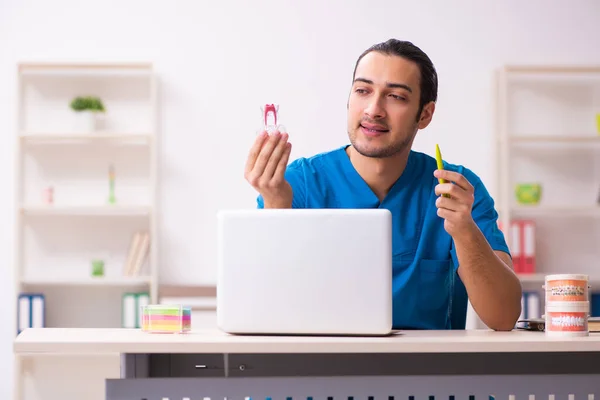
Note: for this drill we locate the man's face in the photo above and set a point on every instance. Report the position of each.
(383, 105)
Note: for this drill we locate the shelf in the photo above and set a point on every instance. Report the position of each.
(554, 142)
(541, 278)
(81, 69)
(196, 303)
(553, 74)
(560, 70)
(532, 278)
(107, 210)
(559, 211)
(555, 139)
(55, 244)
(57, 138)
(120, 281)
(548, 133)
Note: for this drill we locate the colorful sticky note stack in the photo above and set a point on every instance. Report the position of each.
(164, 318)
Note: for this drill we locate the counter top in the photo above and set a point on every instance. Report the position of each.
(115, 341)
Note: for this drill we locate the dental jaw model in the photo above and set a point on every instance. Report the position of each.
(270, 116)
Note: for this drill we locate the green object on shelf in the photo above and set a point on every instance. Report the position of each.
(111, 185)
(528, 193)
(97, 268)
(598, 123)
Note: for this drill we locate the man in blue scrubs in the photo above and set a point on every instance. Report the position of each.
(393, 95)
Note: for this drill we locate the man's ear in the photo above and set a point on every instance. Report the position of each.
(426, 115)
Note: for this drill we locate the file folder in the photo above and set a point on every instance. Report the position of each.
(31, 311)
(131, 309)
(531, 305)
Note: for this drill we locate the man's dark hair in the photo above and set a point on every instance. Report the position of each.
(407, 50)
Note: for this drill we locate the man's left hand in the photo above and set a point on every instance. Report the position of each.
(456, 209)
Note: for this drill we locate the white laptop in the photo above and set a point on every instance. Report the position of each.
(305, 271)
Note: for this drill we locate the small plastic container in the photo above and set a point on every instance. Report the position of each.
(567, 318)
(164, 318)
(567, 287)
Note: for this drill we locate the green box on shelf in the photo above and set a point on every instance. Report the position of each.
(528, 193)
(97, 268)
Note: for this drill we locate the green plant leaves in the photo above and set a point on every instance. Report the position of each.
(89, 103)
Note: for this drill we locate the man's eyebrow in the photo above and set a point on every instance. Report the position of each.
(389, 84)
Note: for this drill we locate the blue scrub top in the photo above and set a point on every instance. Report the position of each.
(424, 258)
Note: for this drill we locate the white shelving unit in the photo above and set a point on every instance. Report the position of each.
(548, 133)
(56, 242)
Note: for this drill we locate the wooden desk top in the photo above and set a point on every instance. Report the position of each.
(115, 341)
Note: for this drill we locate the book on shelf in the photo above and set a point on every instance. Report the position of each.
(138, 253)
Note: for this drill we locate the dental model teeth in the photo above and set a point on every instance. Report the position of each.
(567, 305)
(568, 320)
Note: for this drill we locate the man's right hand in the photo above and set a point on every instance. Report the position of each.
(265, 169)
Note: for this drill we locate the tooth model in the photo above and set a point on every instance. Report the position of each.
(270, 114)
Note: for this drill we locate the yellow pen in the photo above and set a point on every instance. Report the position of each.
(440, 165)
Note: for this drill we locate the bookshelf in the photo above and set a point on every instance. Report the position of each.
(548, 133)
(68, 227)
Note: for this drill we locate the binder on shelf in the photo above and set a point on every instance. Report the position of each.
(528, 247)
(515, 246)
(595, 304)
(531, 305)
(31, 311)
(143, 299)
(131, 306)
(522, 315)
(522, 246)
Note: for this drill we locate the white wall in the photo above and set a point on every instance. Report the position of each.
(219, 61)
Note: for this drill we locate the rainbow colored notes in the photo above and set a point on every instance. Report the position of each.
(162, 318)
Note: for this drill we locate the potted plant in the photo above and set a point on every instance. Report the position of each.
(87, 109)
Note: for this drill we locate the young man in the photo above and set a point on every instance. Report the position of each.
(393, 95)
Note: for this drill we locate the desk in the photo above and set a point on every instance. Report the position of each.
(410, 365)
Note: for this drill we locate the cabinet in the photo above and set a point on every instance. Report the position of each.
(548, 134)
(86, 184)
